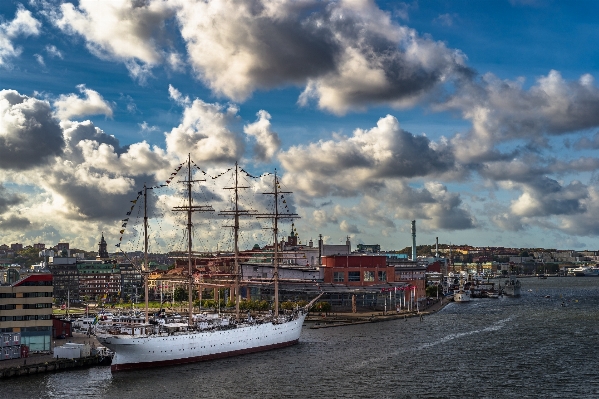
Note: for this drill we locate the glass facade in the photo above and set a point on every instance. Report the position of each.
(37, 338)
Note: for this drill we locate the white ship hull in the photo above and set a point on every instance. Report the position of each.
(144, 351)
(461, 296)
(511, 290)
(512, 287)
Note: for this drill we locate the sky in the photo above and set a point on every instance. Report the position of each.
(479, 120)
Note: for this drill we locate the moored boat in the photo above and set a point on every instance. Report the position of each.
(461, 294)
(162, 341)
(512, 286)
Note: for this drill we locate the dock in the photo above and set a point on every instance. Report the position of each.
(46, 363)
(350, 319)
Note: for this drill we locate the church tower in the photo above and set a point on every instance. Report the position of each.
(102, 249)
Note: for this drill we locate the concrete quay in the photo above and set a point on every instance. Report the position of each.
(320, 320)
(45, 362)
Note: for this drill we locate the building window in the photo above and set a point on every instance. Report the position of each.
(382, 276)
(338, 277)
(353, 276)
(368, 275)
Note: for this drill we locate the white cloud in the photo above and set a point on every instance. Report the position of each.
(22, 25)
(71, 105)
(145, 127)
(177, 96)
(53, 51)
(29, 134)
(348, 55)
(39, 59)
(206, 132)
(132, 32)
(365, 161)
(349, 228)
(501, 111)
(267, 141)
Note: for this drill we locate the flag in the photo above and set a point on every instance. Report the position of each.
(95, 320)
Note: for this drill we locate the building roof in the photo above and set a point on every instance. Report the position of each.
(34, 277)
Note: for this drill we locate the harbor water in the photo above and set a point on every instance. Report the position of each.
(540, 345)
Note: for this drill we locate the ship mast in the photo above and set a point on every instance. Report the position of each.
(236, 212)
(275, 217)
(189, 208)
(146, 268)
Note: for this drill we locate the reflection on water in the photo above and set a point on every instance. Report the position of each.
(542, 344)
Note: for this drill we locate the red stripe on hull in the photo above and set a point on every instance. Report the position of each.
(144, 365)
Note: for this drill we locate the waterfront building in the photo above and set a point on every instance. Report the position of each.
(357, 269)
(26, 308)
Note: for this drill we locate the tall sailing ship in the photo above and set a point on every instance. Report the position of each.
(162, 341)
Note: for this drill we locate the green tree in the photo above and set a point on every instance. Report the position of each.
(28, 256)
(433, 290)
(322, 307)
(180, 294)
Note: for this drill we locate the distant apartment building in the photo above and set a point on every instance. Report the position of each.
(76, 279)
(66, 278)
(16, 247)
(26, 308)
(371, 248)
(39, 246)
(98, 280)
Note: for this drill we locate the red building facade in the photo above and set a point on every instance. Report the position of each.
(357, 270)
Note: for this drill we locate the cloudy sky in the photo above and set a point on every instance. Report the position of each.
(481, 122)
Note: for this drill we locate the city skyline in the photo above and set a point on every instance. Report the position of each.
(477, 121)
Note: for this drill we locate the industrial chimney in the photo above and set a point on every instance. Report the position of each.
(436, 247)
(320, 247)
(414, 240)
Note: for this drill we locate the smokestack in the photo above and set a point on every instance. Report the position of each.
(413, 240)
(437, 247)
(320, 249)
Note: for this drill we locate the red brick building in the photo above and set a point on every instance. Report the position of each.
(357, 269)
